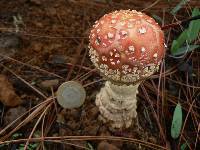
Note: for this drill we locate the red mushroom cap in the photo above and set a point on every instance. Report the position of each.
(126, 45)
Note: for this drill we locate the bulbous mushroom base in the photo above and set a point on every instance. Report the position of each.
(117, 104)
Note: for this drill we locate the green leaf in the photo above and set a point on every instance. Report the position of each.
(178, 7)
(176, 122)
(183, 146)
(3, 145)
(185, 49)
(16, 135)
(21, 146)
(194, 26)
(157, 18)
(188, 35)
(33, 146)
(182, 37)
(176, 44)
(90, 147)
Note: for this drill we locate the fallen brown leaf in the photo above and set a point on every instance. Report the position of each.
(7, 94)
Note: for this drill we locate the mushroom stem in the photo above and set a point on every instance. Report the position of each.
(117, 104)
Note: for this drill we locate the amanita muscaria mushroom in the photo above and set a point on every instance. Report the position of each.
(126, 47)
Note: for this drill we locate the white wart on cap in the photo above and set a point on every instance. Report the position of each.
(126, 45)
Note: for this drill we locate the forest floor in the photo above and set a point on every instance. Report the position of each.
(44, 43)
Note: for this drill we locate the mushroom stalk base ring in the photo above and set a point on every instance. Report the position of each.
(117, 104)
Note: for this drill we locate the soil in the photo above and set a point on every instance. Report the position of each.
(43, 43)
